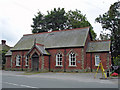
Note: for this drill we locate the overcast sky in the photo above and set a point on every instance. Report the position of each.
(16, 15)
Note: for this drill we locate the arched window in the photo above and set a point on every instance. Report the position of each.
(72, 59)
(18, 60)
(59, 59)
(26, 61)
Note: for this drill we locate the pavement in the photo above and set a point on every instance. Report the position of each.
(0, 79)
(84, 77)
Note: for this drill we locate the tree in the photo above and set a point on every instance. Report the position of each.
(104, 36)
(110, 21)
(3, 56)
(58, 19)
(77, 20)
(55, 20)
(38, 23)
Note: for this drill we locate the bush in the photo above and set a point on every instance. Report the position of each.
(116, 61)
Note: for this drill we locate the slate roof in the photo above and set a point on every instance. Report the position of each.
(9, 53)
(98, 46)
(40, 48)
(56, 39)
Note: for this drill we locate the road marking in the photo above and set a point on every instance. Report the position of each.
(20, 85)
(28, 86)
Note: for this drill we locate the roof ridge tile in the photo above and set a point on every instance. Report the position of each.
(56, 31)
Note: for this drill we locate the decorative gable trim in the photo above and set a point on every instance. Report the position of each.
(34, 51)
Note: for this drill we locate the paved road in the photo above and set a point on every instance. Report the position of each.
(55, 80)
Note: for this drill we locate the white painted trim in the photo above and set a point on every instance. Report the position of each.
(57, 59)
(26, 58)
(18, 59)
(20, 85)
(70, 59)
(96, 60)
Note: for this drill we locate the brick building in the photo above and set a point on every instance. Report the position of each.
(3, 49)
(67, 50)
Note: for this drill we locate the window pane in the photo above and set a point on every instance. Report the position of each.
(73, 59)
(60, 63)
(19, 61)
(26, 60)
(60, 55)
(60, 59)
(57, 59)
(97, 60)
(73, 55)
(73, 63)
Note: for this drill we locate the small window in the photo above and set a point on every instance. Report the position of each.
(97, 60)
(59, 59)
(26, 61)
(11, 62)
(17, 60)
(72, 59)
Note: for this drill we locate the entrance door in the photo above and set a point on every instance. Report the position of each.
(35, 62)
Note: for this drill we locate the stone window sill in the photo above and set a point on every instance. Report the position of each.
(72, 66)
(18, 66)
(58, 66)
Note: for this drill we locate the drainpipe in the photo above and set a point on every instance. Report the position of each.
(65, 60)
(49, 63)
(91, 62)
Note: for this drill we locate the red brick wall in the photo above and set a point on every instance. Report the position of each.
(23, 56)
(46, 62)
(103, 57)
(8, 62)
(53, 53)
(85, 47)
(77, 51)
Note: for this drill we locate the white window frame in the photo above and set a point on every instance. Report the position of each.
(11, 62)
(71, 59)
(58, 57)
(26, 61)
(18, 58)
(97, 60)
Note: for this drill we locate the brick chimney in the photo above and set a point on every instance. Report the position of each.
(3, 42)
